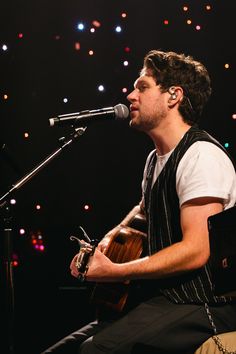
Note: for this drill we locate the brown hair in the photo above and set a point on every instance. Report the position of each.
(172, 69)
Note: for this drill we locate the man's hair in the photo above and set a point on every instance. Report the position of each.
(172, 69)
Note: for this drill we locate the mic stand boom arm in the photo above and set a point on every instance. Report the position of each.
(7, 232)
(23, 180)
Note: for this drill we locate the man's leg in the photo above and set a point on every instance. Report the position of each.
(71, 343)
(157, 324)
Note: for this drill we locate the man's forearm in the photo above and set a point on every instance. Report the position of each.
(126, 221)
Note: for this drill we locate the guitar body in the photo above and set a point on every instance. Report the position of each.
(126, 244)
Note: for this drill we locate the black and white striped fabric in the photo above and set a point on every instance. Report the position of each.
(163, 219)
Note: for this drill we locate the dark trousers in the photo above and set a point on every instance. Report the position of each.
(156, 326)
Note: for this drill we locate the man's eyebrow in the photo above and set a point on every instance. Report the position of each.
(140, 81)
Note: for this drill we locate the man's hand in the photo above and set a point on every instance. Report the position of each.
(100, 268)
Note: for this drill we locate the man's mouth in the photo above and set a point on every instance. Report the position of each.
(133, 108)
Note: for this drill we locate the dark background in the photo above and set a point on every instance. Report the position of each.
(103, 168)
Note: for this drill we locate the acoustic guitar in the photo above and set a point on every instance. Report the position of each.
(126, 244)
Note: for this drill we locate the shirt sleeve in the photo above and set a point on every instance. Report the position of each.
(206, 171)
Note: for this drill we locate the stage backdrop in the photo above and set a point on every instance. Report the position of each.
(60, 57)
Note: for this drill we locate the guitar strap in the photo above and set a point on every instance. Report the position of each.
(148, 180)
(147, 193)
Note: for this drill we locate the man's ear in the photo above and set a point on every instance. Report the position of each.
(176, 94)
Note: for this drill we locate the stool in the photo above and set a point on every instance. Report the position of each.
(228, 341)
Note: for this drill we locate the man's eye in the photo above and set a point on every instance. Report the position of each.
(142, 87)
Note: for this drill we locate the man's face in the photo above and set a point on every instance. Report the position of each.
(148, 104)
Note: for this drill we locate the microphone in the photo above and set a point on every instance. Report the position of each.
(120, 111)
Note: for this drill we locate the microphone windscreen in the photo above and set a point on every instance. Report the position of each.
(121, 111)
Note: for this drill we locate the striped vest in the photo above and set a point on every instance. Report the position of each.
(163, 219)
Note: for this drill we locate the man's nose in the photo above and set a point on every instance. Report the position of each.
(131, 96)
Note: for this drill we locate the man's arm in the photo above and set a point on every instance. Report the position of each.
(104, 243)
(190, 253)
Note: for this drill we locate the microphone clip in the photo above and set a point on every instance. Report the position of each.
(75, 134)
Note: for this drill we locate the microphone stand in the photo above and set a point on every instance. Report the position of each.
(7, 231)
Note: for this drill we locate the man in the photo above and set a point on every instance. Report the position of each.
(187, 178)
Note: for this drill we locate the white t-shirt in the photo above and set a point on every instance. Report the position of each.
(204, 171)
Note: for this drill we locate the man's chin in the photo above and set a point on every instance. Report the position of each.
(134, 124)
(131, 123)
